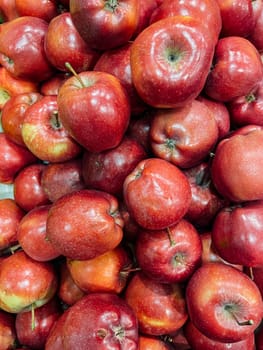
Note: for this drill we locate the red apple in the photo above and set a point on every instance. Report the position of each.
(106, 171)
(160, 308)
(139, 129)
(147, 342)
(103, 95)
(110, 23)
(45, 9)
(44, 134)
(98, 321)
(256, 34)
(223, 302)
(170, 61)
(157, 194)
(22, 48)
(236, 70)
(31, 235)
(61, 178)
(25, 284)
(8, 10)
(93, 227)
(8, 336)
(145, 10)
(171, 255)
(64, 44)
(183, 136)
(53, 84)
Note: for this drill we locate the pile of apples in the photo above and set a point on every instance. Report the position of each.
(131, 174)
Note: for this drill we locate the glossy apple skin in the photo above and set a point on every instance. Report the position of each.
(28, 191)
(13, 113)
(215, 295)
(19, 39)
(207, 12)
(91, 130)
(183, 136)
(44, 134)
(18, 157)
(52, 85)
(117, 62)
(10, 217)
(8, 335)
(44, 319)
(145, 10)
(256, 34)
(169, 312)
(107, 272)
(237, 234)
(61, 178)
(106, 171)
(31, 235)
(25, 282)
(157, 194)
(147, 342)
(93, 228)
(97, 321)
(197, 340)
(169, 256)
(236, 168)
(44, 9)
(139, 129)
(111, 23)
(64, 44)
(167, 69)
(237, 69)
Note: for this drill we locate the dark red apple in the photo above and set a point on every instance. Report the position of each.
(8, 336)
(45, 9)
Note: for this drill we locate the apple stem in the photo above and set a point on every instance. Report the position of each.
(172, 242)
(33, 320)
(72, 70)
(240, 323)
(251, 273)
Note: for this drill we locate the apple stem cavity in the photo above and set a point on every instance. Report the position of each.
(229, 308)
(250, 98)
(111, 5)
(72, 70)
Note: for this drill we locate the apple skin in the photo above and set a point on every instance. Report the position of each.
(167, 69)
(169, 312)
(236, 168)
(22, 49)
(44, 9)
(64, 44)
(18, 157)
(8, 334)
(44, 319)
(13, 113)
(110, 23)
(183, 136)
(197, 340)
(58, 179)
(8, 10)
(93, 228)
(107, 272)
(52, 85)
(157, 194)
(145, 10)
(147, 342)
(236, 71)
(98, 321)
(31, 235)
(237, 234)
(25, 283)
(86, 92)
(28, 191)
(256, 34)
(218, 296)
(106, 171)
(10, 216)
(169, 256)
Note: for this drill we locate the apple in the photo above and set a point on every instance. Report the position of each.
(93, 227)
(13, 113)
(169, 255)
(97, 321)
(8, 10)
(237, 233)
(184, 135)
(28, 191)
(157, 193)
(170, 61)
(107, 272)
(103, 95)
(179, 340)
(44, 134)
(160, 308)
(236, 168)
(25, 283)
(64, 44)
(13, 158)
(58, 179)
(106, 24)
(255, 35)
(147, 342)
(223, 302)
(42, 9)
(22, 48)
(8, 336)
(53, 84)
(145, 10)
(45, 318)
(31, 234)
(107, 170)
(236, 70)
(131, 228)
